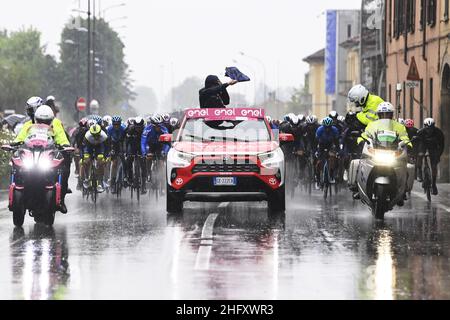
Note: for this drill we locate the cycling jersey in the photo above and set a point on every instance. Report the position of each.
(150, 137)
(116, 135)
(326, 136)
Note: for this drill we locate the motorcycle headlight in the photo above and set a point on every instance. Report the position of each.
(28, 163)
(272, 160)
(44, 164)
(386, 158)
(179, 159)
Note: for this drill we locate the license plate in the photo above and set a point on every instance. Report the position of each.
(225, 181)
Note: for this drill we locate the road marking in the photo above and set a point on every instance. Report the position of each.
(435, 204)
(224, 205)
(204, 252)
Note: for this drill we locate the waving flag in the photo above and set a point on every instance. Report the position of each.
(235, 74)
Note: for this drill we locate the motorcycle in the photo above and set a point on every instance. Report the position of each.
(36, 177)
(382, 175)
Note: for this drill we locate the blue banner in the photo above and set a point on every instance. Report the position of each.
(330, 53)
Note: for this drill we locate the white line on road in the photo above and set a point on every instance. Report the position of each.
(204, 252)
(436, 204)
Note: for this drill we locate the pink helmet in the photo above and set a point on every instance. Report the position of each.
(409, 123)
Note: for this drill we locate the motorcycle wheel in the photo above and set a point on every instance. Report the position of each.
(379, 209)
(50, 204)
(18, 209)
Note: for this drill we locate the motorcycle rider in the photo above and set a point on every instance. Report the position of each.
(386, 121)
(367, 102)
(215, 94)
(328, 138)
(44, 115)
(94, 145)
(150, 145)
(431, 139)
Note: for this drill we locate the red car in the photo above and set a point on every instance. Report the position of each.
(225, 155)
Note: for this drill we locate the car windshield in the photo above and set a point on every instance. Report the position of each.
(200, 130)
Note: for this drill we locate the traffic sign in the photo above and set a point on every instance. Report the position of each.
(81, 104)
(413, 73)
(412, 84)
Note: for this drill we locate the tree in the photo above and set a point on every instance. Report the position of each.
(25, 70)
(110, 75)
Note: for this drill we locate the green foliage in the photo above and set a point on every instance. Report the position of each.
(110, 75)
(25, 70)
(5, 138)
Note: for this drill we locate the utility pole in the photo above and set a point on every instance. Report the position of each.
(93, 51)
(89, 95)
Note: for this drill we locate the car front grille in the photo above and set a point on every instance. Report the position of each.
(227, 168)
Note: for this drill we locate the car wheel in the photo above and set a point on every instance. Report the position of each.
(277, 200)
(174, 201)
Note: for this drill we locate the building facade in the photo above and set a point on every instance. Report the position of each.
(320, 102)
(417, 38)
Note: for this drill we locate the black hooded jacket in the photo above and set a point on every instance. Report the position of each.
(214, 94)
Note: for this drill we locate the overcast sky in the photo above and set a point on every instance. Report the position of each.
(169, 40)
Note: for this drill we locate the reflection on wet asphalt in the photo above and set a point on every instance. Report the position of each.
(125, 250)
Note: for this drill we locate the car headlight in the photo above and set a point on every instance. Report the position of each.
(179, 159)
(386, 158)
(272, 160)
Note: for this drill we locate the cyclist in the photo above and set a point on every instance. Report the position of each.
(432, 140)
(94, 144)
(310, 131)
(150, 145)
(412, 135)
(77, 142)
(328, 139)
(368, 103)
(349, 146)
(116, 133)
(133, 137)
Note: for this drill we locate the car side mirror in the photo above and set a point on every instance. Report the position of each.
(166, 138)
(286, 137)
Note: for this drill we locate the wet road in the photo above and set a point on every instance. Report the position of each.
(126, 250)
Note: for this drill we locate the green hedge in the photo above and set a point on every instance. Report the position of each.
(5, 138)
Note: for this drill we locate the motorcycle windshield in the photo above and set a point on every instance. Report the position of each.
(386, 139)
(39, 136)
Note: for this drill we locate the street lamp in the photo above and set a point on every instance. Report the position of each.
(115, 19)
(112, 7)
(264, 68)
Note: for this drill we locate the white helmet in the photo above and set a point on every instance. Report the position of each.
(358, 95)
(294, 120)
(139, 121)
(166, 117)
(333, 114)
(107, 120)
(386, 110)
(44, 114)
(401, 121)
(429, 122)
(341, 119)
(157, 119)
(301, 117)
(311, 119)
(32, 104)
(91, 123)
(174, 122)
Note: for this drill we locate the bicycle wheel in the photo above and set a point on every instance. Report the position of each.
(326, 183)
(427, 182)
(137, 178)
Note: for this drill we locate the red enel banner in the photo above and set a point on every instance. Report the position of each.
(225, 113)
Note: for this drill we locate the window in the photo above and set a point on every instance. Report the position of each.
(399, 18)
(431, 9)
(446, 10)
(349, 31)
(390, 20)
(423, 14)
(431, 98)
(410, 15)
(404, 100)
(390, 92)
